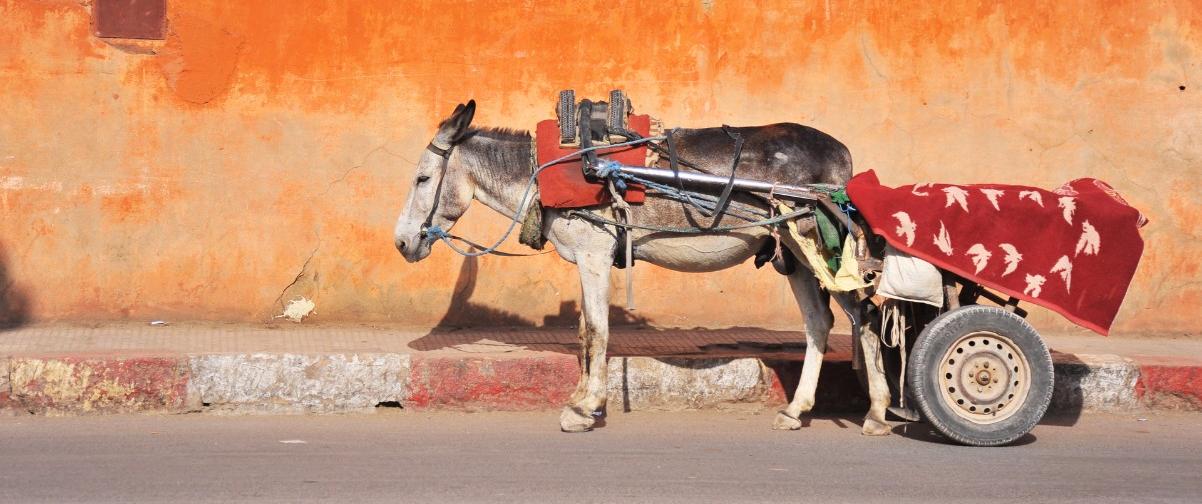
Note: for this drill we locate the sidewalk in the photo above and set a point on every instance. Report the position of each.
(294, 368)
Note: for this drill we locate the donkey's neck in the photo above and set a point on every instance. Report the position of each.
(500, 166)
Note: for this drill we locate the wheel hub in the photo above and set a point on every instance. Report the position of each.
(984, 377)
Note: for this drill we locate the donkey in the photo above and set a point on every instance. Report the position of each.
(462, 164)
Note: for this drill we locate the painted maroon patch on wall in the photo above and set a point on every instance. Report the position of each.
(137, 19)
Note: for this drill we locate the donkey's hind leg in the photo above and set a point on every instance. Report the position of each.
(815, 307)
(878, 387)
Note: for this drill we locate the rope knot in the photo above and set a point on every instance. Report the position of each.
(607, 168)
(436, 231)
(612, 170)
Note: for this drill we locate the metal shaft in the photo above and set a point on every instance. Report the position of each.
(705, 180)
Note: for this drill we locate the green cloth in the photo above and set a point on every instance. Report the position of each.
(828, 231)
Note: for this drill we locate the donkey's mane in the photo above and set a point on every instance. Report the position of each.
(501, 133)
(506, 152)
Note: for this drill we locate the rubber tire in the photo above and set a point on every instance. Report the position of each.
(935, 341)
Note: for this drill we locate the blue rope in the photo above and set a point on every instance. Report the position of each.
(437, 232)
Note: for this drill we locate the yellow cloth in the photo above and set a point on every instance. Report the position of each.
(847, 279)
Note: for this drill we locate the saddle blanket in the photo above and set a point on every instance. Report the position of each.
(563, 185)
(1073, 250)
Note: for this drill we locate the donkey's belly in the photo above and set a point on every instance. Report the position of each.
(698, 253)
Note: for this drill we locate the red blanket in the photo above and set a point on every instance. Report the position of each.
(564, 186)
(1073, 250)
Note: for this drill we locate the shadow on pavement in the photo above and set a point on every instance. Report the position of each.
(1068, 398)
(921, 431)
(467, 322)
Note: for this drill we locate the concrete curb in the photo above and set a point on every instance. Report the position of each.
(282, 383)
(86, 384)
(292, 383)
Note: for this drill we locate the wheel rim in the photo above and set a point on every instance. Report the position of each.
(984, 377)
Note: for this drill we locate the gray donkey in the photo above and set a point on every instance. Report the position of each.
(493, 166)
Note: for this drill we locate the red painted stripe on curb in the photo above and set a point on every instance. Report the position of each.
(496, 384)
(1169, 383)
(105, 384)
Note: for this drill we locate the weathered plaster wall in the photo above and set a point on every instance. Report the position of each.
(261, 152)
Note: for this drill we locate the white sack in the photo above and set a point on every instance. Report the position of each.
(909, 278)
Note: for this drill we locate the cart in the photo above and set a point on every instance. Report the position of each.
(975, 370)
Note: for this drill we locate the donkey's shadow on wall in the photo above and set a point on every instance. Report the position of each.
(503, 326)
(14, 303)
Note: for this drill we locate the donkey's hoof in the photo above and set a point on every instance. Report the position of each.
(875, 428)
(574, 420)
(785, 422)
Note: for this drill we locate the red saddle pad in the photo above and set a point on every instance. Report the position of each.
(563, 185)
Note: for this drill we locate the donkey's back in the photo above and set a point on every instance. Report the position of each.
(785, 153)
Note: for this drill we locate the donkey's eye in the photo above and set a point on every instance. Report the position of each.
(422, 179)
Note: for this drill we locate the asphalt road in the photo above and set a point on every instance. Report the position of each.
(638, 457)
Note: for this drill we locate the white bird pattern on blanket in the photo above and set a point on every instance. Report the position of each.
(956, 195)
(1034, 285)
(943, 241)
(1090, 242)
(905, 227)
(1065, 268)
(1012, 258)
(1069, 205)
(980, 256)
(993, 195)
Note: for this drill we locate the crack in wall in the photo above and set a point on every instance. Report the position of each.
(366, 158)
(300, 275)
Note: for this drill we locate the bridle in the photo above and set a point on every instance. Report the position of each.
(445, 154)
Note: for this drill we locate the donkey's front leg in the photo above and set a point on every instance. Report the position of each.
(594, 286)
(582, 360)
(815, 307)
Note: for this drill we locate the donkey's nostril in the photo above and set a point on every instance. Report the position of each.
(400, 246)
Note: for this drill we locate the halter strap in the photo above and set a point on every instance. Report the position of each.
(445, 154)
(439, 151)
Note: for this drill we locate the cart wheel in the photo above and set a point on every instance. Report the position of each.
(981, 375)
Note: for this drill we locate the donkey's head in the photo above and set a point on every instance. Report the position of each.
(442, 187)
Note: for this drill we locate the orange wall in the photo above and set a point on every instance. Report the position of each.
(262, 151)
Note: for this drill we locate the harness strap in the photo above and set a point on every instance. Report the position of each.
(439, 151)
(674, 163)
(720, 210)
(445, 154)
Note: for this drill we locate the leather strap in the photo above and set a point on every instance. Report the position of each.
(439, 151)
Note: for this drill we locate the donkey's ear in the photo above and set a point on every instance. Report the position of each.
(462, 119)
